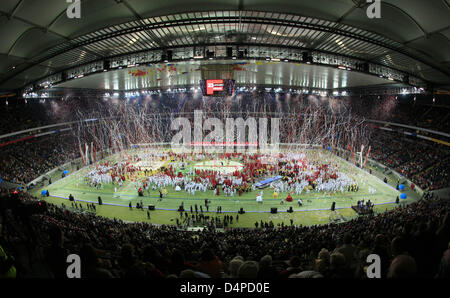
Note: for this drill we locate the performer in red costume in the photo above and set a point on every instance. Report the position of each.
(217, 190)
(289, 198)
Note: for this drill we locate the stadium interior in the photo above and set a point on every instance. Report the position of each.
(225, 139)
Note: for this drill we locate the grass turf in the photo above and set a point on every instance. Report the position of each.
(315, 209)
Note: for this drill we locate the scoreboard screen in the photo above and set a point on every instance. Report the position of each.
(213, 86)
(217, 87)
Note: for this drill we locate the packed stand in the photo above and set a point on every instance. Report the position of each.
(418, 160)
(412, 241)
(22, 162)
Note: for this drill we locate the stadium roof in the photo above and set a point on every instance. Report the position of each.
(38, 40)
(250, 73)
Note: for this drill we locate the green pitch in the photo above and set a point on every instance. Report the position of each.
(315, 209)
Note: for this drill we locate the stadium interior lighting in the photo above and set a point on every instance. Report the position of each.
(150, 169)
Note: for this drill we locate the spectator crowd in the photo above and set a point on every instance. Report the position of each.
(412, 241)
(426, 164)
(23, 162)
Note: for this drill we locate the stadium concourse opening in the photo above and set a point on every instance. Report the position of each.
(234, 139)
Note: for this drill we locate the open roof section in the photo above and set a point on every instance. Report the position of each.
(39, 40)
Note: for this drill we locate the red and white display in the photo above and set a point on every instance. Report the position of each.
(213, 85)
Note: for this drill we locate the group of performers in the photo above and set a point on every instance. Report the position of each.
(300, 174)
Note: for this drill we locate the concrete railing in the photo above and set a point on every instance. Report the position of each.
(9, 185)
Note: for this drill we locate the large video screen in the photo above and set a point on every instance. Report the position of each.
(218, 87)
